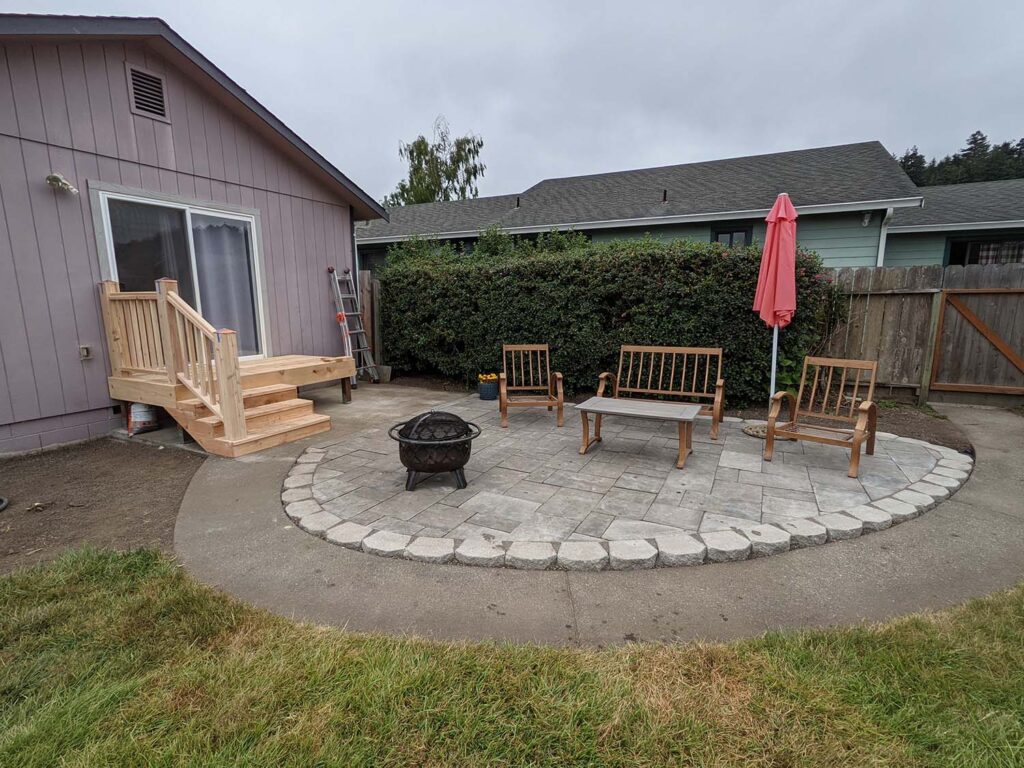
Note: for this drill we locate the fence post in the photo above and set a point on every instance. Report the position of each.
(378, 342)
(229, 386)
(173, 364)
(111, 326)
(924, 390)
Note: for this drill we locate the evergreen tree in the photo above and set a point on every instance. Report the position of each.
(979, 160)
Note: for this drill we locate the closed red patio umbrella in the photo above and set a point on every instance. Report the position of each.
(775, 299)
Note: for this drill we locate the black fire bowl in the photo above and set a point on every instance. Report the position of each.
(432, 443)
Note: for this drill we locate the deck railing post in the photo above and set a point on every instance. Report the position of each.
(112, 327)
(229, 385)
(173, 364)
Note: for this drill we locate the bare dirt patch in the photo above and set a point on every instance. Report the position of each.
(107, 493)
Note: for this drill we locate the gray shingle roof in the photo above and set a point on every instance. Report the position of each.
(983, 201)
(849, 173)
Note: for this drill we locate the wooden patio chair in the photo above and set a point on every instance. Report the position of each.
(834, 391)
(526, 380)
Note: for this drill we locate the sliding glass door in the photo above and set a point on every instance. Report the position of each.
(212, 255)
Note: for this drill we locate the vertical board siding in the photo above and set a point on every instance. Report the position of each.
(65, 108)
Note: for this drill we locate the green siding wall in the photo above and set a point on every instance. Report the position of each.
(915, 249)
(840, 239)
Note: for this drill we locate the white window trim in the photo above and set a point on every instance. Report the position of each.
(104, 196)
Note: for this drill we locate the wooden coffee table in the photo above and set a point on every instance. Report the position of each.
(639, 409)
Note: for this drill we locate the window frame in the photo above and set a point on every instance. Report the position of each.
(109, 262)
(981, 237)
(732, 228)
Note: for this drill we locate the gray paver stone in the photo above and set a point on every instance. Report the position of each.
(920, 500)
(428, 549)
(530, 555)
(900, 511)
(297, 481)
(945, 482)
(297, 494)
(300, 509)
(964, 466)
(767, 540)
(349, 535)
(937, 492)
(480, 552)
(309, 458)
(726, 546)
(680, 549)
(631, 554)
(956, 474)
(582, 556)
(386, 543)
(318, 523)
(804, 533)
(872, 518)
(839, 526)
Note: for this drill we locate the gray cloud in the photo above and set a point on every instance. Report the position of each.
(558, 89)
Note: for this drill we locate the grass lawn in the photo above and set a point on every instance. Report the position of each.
(122, 659)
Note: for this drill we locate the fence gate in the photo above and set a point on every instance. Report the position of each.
(978, 342)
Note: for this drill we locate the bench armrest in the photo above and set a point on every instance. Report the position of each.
(867, 417)
(603, 380)
(555, 385)
(502, 384)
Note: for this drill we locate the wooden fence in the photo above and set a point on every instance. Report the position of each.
(936, 329)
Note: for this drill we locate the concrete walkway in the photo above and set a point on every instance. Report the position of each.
(232, 533)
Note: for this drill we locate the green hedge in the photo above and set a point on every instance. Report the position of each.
(450, 315)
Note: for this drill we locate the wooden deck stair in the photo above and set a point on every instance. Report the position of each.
(231, 407)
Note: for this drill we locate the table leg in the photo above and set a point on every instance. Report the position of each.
(685, 442)
(597, 427)
(587, 441)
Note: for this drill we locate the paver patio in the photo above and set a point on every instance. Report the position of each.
(529, 485)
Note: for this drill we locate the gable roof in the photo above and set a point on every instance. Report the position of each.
(978, 205)
(157, 33)
(853, 177)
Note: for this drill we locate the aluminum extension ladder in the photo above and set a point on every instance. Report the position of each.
(350, 320)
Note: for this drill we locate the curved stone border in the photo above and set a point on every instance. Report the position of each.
(951, 472)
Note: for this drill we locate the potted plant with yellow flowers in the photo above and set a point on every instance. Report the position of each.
(487, 386)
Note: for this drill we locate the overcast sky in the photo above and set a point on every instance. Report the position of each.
(566, 88)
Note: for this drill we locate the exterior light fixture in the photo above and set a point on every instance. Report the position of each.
(60, 184)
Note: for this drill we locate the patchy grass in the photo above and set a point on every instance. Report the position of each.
(121, 659)
(925, 408)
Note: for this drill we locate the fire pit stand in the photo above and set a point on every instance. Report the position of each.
(434, 442)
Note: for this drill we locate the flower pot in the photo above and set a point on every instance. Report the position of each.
(488, 390)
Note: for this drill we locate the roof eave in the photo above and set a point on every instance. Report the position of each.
(23, 25)
(951, 227)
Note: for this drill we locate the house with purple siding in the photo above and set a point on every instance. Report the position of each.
(127, 156)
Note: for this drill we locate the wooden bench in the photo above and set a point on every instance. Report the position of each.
(678, 373)
(835, 391)
(526, 380)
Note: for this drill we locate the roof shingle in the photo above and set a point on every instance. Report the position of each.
(982, 201)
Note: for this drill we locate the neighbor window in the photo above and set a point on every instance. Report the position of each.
(732, 234)
(993, 250)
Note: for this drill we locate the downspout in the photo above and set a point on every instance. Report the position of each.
(883, 232)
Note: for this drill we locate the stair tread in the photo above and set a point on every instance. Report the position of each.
(262, 410)
(270, 389)
(281, 427)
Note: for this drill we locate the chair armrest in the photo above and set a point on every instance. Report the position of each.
(603, 380)
(775, 409)
(866, 417)
(502, 383)
(556, 384)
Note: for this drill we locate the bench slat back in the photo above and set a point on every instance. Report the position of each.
(833, 388)
(526, 366)
(670, 371)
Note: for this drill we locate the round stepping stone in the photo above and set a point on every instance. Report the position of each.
(726, 546)
(898, 510)
(937, 492)
(920, 500)
(631, 555)
(297, 494)
(430, 549)
(582, 556)
(945, 482)
(804, 533)
(319, 523)
(767, 539)
(839, 526)
(530, 555)
(386, 544)
(956, 474)
(680, 549)
(480, 552)
(300, 509)
(872, 518)
(349, 535)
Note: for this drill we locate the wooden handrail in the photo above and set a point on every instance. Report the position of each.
(132, 322)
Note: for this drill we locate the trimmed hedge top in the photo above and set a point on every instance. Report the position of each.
(450, 315)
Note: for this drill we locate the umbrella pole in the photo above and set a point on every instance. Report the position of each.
(775, 359)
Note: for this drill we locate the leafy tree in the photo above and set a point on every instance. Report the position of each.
(439, 170)
(979, 160)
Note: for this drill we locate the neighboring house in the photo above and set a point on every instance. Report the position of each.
(179, 173)
(980, 223)
(846, 195)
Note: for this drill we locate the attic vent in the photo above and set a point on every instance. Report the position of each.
(147, 92)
